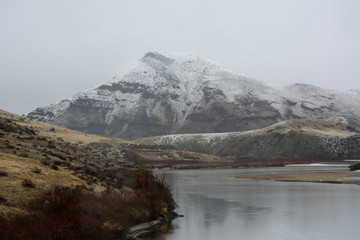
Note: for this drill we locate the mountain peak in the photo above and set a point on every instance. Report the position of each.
(167, 93)
(168, 58)
(158, 57)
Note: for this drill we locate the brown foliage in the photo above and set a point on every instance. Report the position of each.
(77, 214)
(154, 191)
(61, 214)
(28, 183)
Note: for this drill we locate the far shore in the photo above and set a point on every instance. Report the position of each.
(347, 177)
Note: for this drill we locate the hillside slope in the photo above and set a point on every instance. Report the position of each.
(313, 139)
(171, 93)
(57, 183)
(93, 150)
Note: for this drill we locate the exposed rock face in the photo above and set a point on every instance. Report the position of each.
(166, 93)
(315, 139)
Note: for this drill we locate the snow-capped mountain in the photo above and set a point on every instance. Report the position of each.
(171, 93)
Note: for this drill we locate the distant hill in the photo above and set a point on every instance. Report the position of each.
(71, 150)
(171, 93)
(294, 139)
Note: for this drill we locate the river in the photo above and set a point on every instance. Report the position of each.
(216, 206)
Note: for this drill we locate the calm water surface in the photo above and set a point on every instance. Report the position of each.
(219, 207)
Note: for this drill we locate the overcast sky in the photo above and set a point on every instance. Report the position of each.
(51, 50)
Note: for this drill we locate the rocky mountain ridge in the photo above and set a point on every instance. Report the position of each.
(171, 93)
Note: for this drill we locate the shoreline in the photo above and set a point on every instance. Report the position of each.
(135, 232)
(342, 177)
(256, 165)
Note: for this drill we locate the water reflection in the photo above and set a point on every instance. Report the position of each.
(218, 207)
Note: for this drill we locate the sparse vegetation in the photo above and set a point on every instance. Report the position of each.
(24, 155)
(298, 138)
(65, 213)
(2, 200)
(51, 145)
(102, 195)
(54, 166)
(36, 170)
(28, 183)
(132, 156)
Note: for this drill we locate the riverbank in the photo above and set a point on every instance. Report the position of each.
(225, 163)
(320, 177)
(136, 231)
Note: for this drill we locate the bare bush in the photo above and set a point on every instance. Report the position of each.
(36, 170)
(28, 183)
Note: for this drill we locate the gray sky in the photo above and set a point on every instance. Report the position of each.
(51, 50)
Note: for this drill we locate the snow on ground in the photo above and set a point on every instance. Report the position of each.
(318, 165)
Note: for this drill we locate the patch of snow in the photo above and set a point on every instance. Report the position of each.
(317, 165)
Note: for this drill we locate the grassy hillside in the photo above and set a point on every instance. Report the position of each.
(71, 185)
(295, 140)
(116, 151)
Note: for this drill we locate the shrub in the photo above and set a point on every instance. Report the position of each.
(153, 191)
(57, 162)
(36, 170)
(27, 183)
(74, 214)
(10, 146)
(54, 166)
(132, 156)
(2, 200)
(45, 162)
(64, 214)
(51, 145)
(24, 155)
(3, 174)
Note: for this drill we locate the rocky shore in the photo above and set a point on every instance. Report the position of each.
(136, 231)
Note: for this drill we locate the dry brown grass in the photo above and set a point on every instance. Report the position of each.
(175, 155)
(66, 134)
(317, 127)
(71, 185)
(20, 168)
(110, 145)
(67, 213)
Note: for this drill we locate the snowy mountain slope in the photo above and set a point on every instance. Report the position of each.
(171, 93)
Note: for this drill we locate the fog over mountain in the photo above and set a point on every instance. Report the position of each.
(51, 50)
